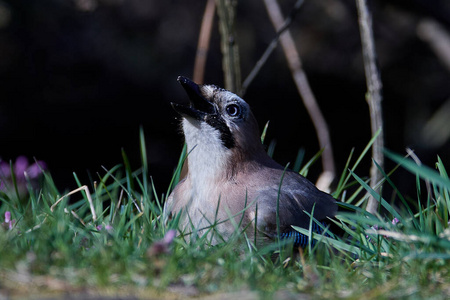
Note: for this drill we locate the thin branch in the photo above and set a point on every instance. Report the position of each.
(417, 160)
(437, 37)
(436, 131)
(226, 10)
(303, 87)
(273, 44)
(203, 41)
(373, 96)
(88, 194)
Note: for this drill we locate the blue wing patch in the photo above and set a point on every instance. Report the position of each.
(301, 240)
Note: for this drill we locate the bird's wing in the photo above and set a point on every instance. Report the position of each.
(304, 194)
(296, 196)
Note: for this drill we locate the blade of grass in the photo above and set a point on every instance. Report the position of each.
(128, 172)
(305, 169)
(335, 243)
(379, 198)
(144, 161)
(299, 160)
(358, 160)
(176, 176)
(422, 171)
(264, 132)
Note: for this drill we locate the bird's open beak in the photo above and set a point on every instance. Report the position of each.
(200, 106)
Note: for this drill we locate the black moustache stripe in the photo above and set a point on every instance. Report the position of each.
(217, 122)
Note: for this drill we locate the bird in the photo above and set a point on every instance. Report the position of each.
(231, 182)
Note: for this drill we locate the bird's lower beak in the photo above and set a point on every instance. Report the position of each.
(200, 107)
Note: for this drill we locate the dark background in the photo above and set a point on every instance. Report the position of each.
(78, 78)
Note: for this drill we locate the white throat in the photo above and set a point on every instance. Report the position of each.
(207, 156)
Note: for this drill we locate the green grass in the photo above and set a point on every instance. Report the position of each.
(59, 248)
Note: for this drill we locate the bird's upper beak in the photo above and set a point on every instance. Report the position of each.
(199, 107)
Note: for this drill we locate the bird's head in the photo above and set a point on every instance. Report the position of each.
(220, 119)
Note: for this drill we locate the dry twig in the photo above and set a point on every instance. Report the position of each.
(273, 44)
(203, 41)
(226, 10)
(436, 131)
(88, 195)
(437, 37)
(373, 96)
(303, 87)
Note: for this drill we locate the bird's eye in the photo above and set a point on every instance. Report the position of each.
(233, 110)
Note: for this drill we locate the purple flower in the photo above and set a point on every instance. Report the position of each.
(162, 246)
(5, 171)
(108, 228)
(395, 221)
(7, 216)
(169, 236)
(22, 168)
(8, 224)
(23, 172)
